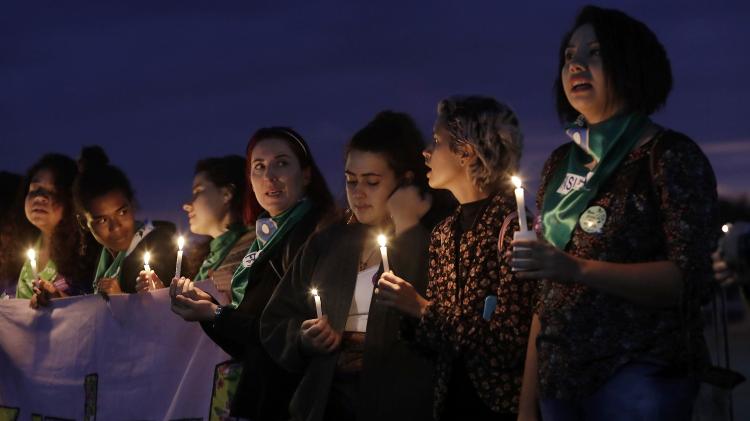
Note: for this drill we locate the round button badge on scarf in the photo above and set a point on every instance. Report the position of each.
(593, 219)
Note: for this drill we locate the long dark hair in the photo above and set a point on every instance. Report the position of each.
(15, 230)
(228, 172)
(70, 249)
(317, 191)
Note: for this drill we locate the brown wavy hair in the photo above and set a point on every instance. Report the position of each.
(72, 250)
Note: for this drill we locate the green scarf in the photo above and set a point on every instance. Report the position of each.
(219, 249)
(573, 186)
(260, 251)
(25, 287)
(109, 267)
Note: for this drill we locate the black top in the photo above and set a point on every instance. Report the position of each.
(161, 244)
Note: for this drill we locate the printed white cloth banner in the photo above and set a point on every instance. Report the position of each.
(85, 358)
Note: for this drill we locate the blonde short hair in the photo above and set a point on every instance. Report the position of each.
(492, 129)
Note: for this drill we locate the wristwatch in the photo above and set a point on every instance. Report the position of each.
(217, 313)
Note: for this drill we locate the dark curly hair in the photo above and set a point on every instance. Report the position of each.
(72, 250)
(97, 177)
(635, 62)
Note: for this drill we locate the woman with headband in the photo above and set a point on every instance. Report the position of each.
(287, 199)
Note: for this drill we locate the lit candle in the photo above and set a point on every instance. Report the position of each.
(318, 308)
(147, 268)
(520, 202)
(178, 267)
(524, 234)
(383, 253)
(31, 254)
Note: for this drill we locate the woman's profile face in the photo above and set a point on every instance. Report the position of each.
(209, 207)
(41, 206)
(369, 183)
(444, 165)
(583, 77)
(111, 219)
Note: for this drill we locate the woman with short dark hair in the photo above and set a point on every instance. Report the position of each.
(628, 220)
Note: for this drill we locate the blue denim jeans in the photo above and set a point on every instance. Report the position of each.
(638, 391)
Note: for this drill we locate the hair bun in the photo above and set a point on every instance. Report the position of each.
(92, 157)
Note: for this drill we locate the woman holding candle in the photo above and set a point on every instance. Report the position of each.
(287, 199)
(215, 210)
(352, 357)
(106, 207)
(629, 222)
(64, 258)
(479, 346)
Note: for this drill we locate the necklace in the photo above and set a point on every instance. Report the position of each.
(363, 263)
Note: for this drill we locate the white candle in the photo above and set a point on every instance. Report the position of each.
(31, 254)
(318, 308)
(383, 253)
(147, 268)
(520, 202)
(178, 267)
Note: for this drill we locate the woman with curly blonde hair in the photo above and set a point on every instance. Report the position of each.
(479, 347)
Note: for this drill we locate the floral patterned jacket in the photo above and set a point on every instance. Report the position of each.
(660, 205)
(453, 327)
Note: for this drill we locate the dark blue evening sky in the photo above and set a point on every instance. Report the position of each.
(162, 84)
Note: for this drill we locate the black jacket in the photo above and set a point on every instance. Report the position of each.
(163, 248)
(395, 382)
(265, 388)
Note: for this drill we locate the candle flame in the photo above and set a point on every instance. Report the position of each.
(516, 181)
(314, 291)
(725, 228)
(31, 254)
(381, 240)
(146, 257)
(181, 242)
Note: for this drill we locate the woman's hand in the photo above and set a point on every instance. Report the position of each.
(407, 206)
(186, 288)
(723, 274)
(397, 293)
(43, 292)
(109, 286)
(194, 310)
(541, 260)
(148, 281)
(318, 336)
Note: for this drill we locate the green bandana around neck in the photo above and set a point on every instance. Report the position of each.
(219, 249)
(573, 186)
(111, 268)
(258, 253)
